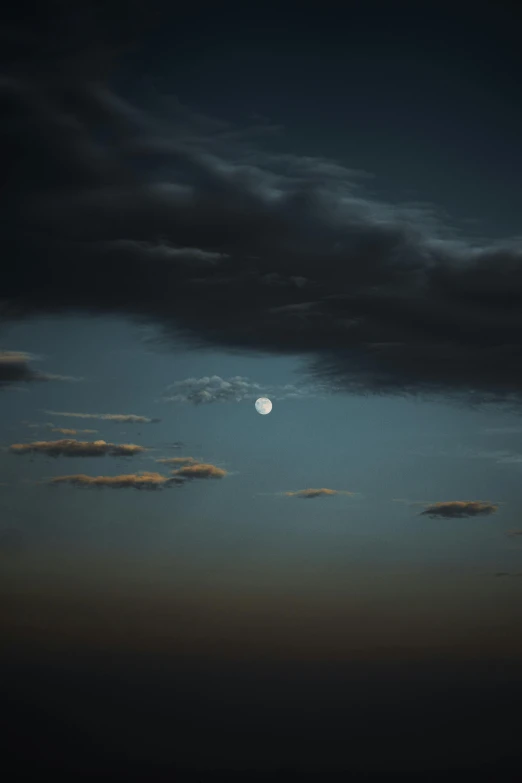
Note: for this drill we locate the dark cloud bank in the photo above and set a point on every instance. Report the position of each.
(187, 223)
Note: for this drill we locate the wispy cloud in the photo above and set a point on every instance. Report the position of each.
(513, 533)
(508, 573)
(77, 448)
(142, 481)
(457, 509)
(212, 389)
(121, 418)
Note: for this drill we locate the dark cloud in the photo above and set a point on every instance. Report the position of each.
(77, 448)
(508, 573)
(15, 368)
(243, 248)
(200, 470)
(457, 509)
(143, 480)
(121, 418)
(316, 493)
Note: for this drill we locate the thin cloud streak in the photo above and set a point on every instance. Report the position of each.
(121, 418)
(459, 509)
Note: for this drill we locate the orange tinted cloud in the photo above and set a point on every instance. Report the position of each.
(201, 470)
(316, 493)
(77, 448)
(143, 480)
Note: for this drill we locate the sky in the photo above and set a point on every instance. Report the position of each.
(207, 207)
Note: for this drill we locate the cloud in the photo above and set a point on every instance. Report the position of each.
(77, 448)
(508, 573)
(245, 249)
(513, 533)
(65, 431)
(316, 493)
(15, 368)
(201, 470)
(457, 509)
(178, 461)
(211, 389)
(143, 480)
(121, 418)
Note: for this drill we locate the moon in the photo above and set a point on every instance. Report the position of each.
(263, 405)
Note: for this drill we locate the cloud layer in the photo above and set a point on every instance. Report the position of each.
(77, 448)
(244, 248)
(457, 509)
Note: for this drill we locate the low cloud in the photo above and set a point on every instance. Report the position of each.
(316, 493)
(513, 533)
(142, 481)
(77, 448)
(457, 509)
(121, 418)
(201, 470)
(15, 368)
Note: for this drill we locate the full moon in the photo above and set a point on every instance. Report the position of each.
(263, 405)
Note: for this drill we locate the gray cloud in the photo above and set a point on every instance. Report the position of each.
(513, 533)
(211, 389)
(77, 448)
(121, 418)
(244, 248)
(508, 573)
(15, 368)
(457, 509)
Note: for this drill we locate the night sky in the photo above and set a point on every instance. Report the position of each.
(200, 208)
